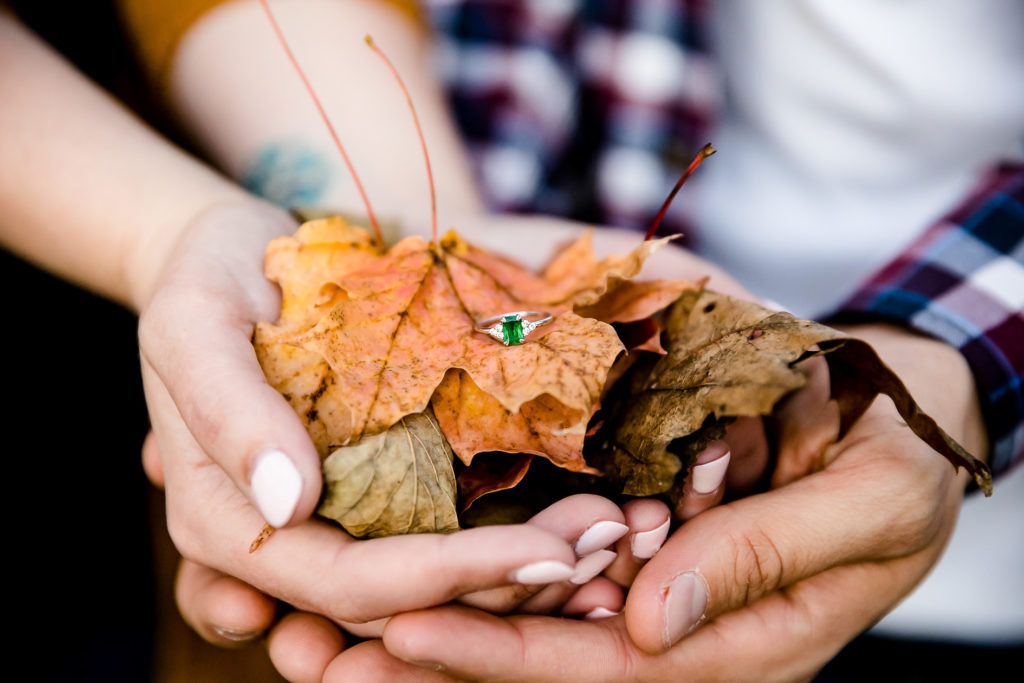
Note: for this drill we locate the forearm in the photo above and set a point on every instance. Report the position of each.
(249, 111)
(86, 189)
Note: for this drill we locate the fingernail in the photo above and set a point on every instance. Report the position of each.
(645, 544)
(591, 565)
(599, 613)
(708, 476)
(233, 635)
(599, 535)
(433, 666)
(276, 487)
(685, 603)
(545, 571)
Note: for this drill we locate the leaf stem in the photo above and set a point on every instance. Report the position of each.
(327, 121)
(705, 151)
(419, 132)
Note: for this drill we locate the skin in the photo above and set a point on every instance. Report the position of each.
(182, 245)
(191, 266)
(814, 561)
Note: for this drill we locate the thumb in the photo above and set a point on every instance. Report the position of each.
(732, 555)
(199, 352)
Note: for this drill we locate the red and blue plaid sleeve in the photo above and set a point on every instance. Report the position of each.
(962, 281)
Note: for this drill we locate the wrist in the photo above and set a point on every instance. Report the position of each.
(150, 257)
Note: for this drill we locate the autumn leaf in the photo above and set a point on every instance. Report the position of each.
(729, 358)
(575, 277)
(489, 473)
(475, 422)
(399, 481)
(306, 266)
(636, 301)
(408, 318)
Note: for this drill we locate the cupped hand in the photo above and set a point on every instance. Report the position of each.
(227, 612)
(768, 587)
(233, 455)
(219, 425)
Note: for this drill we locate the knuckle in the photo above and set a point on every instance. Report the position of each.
(183, 534)
(913, 511)
(758, 565)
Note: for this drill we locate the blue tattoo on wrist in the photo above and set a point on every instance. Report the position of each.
(289, 174)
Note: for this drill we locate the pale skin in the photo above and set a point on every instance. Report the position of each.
(194, 273)
(167, 236)
(864, 590)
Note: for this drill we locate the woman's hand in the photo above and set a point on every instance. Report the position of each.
(215, 418)
(767, 587)
(212, 406)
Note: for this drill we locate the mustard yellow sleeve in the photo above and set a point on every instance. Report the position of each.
(156, 26)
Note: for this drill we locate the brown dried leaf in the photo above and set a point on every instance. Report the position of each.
(730, 358)
(399, 481)
(489, 473)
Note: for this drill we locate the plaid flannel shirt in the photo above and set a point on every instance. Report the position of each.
(561, 115)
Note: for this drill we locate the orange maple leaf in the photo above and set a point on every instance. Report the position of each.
(409, 317)
(306, 266)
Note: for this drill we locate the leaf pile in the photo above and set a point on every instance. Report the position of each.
(730, 358)
(377, 353)
(366, 339)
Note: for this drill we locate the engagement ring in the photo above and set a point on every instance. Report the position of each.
(512, 328)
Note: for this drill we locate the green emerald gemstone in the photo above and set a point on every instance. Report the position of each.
(511, 330)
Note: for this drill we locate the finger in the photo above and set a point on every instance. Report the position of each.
(371, 663)
(748, 445)
(221, 609)
(303, 645)
(599, 599)
(705, 486)
(473, 645)
(807, 423)
(151, 464)
(879, 503)
(591, 524)
(317, 567)
(199, 346)
(369, 629)
(549, 598)
(648, 520)
(808, 625)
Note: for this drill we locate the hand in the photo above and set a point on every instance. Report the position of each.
(212, 292)
(214, 418)
(848, 529)
(302, 645)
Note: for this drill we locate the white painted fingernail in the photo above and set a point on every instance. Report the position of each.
(276, 487)
(772, 304)
(545, 571)
(599, 535)
(645, 544)
(591, 565)
(708, 477)
(599, 613)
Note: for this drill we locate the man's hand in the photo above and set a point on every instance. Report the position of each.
(767, 587)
